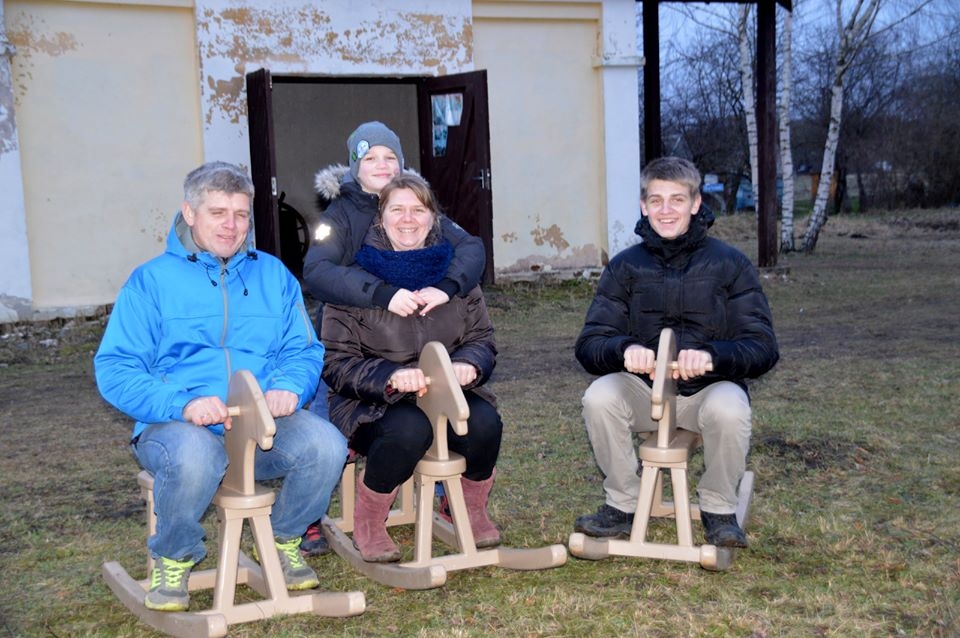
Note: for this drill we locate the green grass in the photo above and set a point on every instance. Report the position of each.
(855, 527)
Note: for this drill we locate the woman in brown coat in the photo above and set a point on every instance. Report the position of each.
(370, 366)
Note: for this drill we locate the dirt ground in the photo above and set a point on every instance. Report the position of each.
(879, 289)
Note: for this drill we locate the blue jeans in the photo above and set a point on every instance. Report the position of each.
(321, 404)
(188, 463)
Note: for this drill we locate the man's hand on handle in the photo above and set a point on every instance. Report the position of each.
(689, 364)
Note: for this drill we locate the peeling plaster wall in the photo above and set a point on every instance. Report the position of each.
(108, 120)
(15, 291)
(546, 134)
(565, 141)
(334, 37)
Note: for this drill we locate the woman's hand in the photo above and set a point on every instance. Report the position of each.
(405, 302)
(466, 373)
(432, 297)
(408, 380)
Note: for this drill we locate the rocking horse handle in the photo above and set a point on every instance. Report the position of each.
(664, 386)
(233, 410)
(676, 366)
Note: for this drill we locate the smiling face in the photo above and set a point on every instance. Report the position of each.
(220, 224)
(669, 207)
(406, 220)
(377, 167)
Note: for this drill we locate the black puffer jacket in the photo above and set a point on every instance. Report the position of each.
(330, 273)
(704, 289)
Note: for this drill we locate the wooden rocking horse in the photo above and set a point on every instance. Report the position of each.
(669, 448)
(239, 499)
(443, 402)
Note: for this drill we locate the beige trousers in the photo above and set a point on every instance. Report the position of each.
(617, 405)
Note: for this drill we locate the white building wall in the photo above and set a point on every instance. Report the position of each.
(91, 173)
(545, 134)
(15, 292)
(619, 64)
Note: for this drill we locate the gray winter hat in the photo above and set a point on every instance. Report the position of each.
(371, 134)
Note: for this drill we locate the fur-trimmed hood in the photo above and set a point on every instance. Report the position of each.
(327, 183)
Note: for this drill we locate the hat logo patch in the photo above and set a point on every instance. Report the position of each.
(362, 147)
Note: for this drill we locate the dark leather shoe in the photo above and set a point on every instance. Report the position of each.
(607, 522)
(722, 530)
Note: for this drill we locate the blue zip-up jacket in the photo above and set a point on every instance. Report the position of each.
(184, 322)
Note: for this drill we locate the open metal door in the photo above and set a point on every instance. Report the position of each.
(455, 151)
(266, 218)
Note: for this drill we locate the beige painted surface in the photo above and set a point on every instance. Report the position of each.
(546, 138)
(107, 101)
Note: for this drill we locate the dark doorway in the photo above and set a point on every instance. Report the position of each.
(299, 124)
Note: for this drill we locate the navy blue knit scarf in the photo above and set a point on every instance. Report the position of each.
(410, 269)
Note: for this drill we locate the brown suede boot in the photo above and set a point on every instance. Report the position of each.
(476, 494)
(369, 525)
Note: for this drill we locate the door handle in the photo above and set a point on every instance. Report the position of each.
(484, 178)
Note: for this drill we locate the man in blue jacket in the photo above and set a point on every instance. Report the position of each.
(182, 324)
(709, 293)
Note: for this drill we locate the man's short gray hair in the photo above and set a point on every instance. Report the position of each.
(215, 176)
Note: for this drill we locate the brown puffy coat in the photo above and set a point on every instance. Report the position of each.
(366, 345)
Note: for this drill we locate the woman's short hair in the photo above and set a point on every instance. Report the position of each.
(415, 183)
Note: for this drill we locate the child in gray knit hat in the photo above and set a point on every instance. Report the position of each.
(365, 137)
(330, 273)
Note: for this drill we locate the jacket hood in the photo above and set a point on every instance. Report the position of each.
(667, 249)
(328, 180)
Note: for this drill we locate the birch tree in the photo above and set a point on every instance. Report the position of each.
(855, 29)
(728, 29)
(786, 150)
(853, 33)
(749, 98)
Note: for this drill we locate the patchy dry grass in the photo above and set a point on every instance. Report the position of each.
(856, 521)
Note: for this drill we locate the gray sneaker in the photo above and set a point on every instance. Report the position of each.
(296, 572)
(168, 585)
